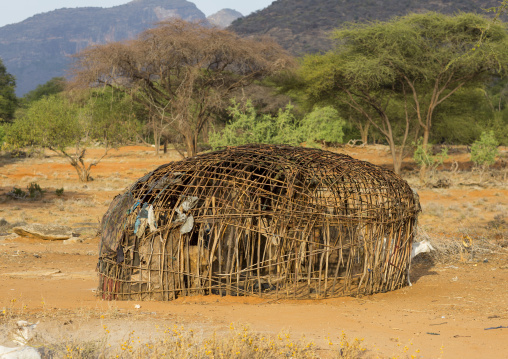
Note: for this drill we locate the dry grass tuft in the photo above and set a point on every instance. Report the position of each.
(433, 209)
(177, 342)
(469, 246)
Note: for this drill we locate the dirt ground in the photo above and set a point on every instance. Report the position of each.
(453, 309)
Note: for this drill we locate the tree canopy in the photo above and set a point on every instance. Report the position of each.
(51, 87)
(246, 126)
(8, 99)
(322, 124)
(183, 73)
(396, 73)
(69, 126)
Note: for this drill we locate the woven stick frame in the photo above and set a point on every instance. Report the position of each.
(258, 220)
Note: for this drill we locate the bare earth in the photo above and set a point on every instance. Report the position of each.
(446, 313)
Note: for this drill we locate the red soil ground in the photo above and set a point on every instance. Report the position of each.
(445, 313)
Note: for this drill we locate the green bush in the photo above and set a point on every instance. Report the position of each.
(246, 126)
(323, 124)
(2, 136)
(17, 193)
(424, 157)
(68, 127)
(34, 190)
(427, 161)
(484, 150)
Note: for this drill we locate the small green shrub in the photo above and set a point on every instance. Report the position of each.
(17, 193)
(246, 126)
(59, 192)
(484, 150)
(426, 160)
(425, 157)
(34, 190)
(2, 136)
(321, 125)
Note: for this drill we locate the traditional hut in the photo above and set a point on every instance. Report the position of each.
(259, 220)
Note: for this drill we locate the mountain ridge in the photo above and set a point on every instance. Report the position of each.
(224, 17)
(39, 48)
(303, 26)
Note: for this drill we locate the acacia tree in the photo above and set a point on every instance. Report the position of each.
(69, 127)
(181, 72)
(422, 59)
(8, 99)
(434, 55)
(354, 78)
(51, 87)
(499, 10)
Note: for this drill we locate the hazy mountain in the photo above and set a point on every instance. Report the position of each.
(38, 48)
(224, 18)
(303, 26)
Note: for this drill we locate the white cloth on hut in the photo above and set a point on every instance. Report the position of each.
(146, 217)
(151, 219)
(188, 220)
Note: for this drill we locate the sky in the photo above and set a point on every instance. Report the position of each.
(12, 11)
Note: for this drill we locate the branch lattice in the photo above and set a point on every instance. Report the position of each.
(259, 220)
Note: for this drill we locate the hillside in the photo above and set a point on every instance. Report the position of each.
(224, 17)
(303, 26)
(38, 48)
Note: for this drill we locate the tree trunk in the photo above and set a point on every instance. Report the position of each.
(157, 140)
(397, 165)
(83, 173)
(206, 131)
(426, 135)
(425, 142)
(397, 160)
(77, 161)
(423, 173)
(364, 132)
(191, 145)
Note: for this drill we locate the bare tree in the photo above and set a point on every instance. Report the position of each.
(182, 72)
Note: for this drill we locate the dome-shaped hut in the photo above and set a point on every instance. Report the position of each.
(271, 221)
